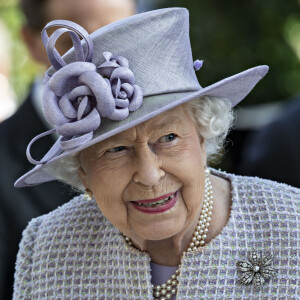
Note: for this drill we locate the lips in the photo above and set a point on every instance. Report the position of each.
(156, 205)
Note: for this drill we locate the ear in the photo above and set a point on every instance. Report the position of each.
(33, 42)
(83, 178)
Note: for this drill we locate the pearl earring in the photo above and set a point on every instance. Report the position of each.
(88, 195)
(206, 171)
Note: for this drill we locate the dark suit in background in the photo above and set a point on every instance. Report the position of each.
(273, 152)
(19, 206)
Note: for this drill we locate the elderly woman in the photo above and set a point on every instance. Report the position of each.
(136, 131)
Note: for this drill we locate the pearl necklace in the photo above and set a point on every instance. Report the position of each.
(168, 289)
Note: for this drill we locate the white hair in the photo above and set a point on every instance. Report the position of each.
(213, 118)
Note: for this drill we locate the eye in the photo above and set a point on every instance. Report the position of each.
(116, 149)
(167, 138)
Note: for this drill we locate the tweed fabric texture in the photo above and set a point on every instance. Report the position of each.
(75, 253)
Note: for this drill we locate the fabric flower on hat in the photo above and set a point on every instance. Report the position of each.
(75, 98)
(111, 63)
(127, 95)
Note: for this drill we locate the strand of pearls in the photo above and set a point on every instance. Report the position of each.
(168, 289)
(199, 237)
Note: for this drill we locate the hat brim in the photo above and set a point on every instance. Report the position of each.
(234, 88)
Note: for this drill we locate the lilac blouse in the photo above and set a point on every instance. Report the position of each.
(160, 274)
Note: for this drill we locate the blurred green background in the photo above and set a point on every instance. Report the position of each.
(229, 35)
(234, 35)
(23, 68)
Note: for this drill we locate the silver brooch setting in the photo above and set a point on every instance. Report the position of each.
(256, 269)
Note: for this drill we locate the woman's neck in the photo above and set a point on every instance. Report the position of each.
(168, 252)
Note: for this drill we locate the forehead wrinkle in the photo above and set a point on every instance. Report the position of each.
(126, 136)
(164, 120)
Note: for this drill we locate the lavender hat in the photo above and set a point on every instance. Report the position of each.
(121, 75)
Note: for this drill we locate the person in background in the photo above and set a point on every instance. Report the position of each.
(17, 207)
(7, 100)
(267, 156)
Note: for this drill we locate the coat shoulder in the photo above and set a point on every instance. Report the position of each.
(268, 203)
(76, 216)
(276, 192)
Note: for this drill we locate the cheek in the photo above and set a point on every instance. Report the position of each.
(194, 182)
(185, 160)
(104, 174)
(108, 185)
(187, 164)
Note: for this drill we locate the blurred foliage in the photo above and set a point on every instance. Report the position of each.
(232, 36)
(23, 69)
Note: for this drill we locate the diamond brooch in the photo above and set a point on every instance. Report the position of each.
(256, 269)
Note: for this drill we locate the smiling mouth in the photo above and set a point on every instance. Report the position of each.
(155, 203)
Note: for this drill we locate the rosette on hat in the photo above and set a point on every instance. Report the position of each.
(127, 95)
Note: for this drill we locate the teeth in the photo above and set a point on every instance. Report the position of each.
(156, 203)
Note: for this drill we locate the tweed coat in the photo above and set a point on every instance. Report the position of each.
(75, 253)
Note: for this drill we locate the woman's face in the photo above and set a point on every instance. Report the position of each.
(159, 160)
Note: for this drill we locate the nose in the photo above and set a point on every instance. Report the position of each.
(148, 168)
